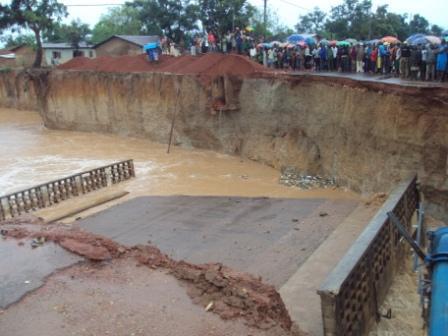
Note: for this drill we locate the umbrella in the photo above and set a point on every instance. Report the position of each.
(414, 37)
(372, 42)
(390, 39)
(434, 39)
(351, 41)
(324, 42)
(264, 45)
(333, 42)
(301, 44)
(294, 38)
(343, 44)
(249, 29)
(310, 40)
(423, 39)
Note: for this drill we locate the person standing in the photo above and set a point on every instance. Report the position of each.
(442, 61)
(373, 59)
(270, 58)
(424, 57)
(239, 41)
(334, 50)
(211, 41)
(396, 55)
(404, 61)
(323, 58)
(316, 59)
(352, 59)
(308, 58)
(414, 62)
(430, 64)
(359, 57)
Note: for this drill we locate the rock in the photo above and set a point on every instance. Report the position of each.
(323, 214)
(89, 251)
(209, 306)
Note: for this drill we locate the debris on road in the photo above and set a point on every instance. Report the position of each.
(291, 177)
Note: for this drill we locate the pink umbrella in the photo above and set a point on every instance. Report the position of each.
(301, 44)
(433, 39)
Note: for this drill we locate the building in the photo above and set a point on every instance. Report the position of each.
(58, 53)
(120, 45)
(25, 55)
(7, 58)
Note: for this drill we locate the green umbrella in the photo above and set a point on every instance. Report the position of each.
(343, 44)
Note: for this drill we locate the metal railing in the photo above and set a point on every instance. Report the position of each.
(353, 292)
(54, 192)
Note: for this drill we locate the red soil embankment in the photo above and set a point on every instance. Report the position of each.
(209, 65)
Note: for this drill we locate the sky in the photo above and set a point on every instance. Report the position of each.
(288, 11)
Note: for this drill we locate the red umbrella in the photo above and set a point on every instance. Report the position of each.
(390, 39)
(333, 42)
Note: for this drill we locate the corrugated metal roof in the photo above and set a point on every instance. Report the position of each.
(139, 40)
(64, 45)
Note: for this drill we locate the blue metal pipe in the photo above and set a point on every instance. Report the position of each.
(438, 259)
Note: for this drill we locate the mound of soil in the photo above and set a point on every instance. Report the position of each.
(210, 65)
(226, 292)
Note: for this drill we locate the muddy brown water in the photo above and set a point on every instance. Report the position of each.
(32, 154)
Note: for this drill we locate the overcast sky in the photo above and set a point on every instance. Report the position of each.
(436, 11)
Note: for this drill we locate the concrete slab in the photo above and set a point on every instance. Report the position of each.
(23, 269)
(268, 237)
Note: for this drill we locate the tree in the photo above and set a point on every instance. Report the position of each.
(273, 30)
(313, 22)
(386, 23)
(73, 33)
(172, 18)
(350, 19)
(436, 30)
(123, 20)
(35, 15)
(221, 16)
(419, 24)
(12, 40)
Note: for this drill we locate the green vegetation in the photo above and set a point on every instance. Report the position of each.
(356, 19)
(34, 15)
(123, 20)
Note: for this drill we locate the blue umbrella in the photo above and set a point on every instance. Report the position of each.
(415, 37)
(310, 41)
(422, 39)
(294, 38)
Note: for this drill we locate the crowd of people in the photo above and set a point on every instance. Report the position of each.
(427, 62)
(414, 62)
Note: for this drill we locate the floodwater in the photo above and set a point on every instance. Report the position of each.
(31, 154)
